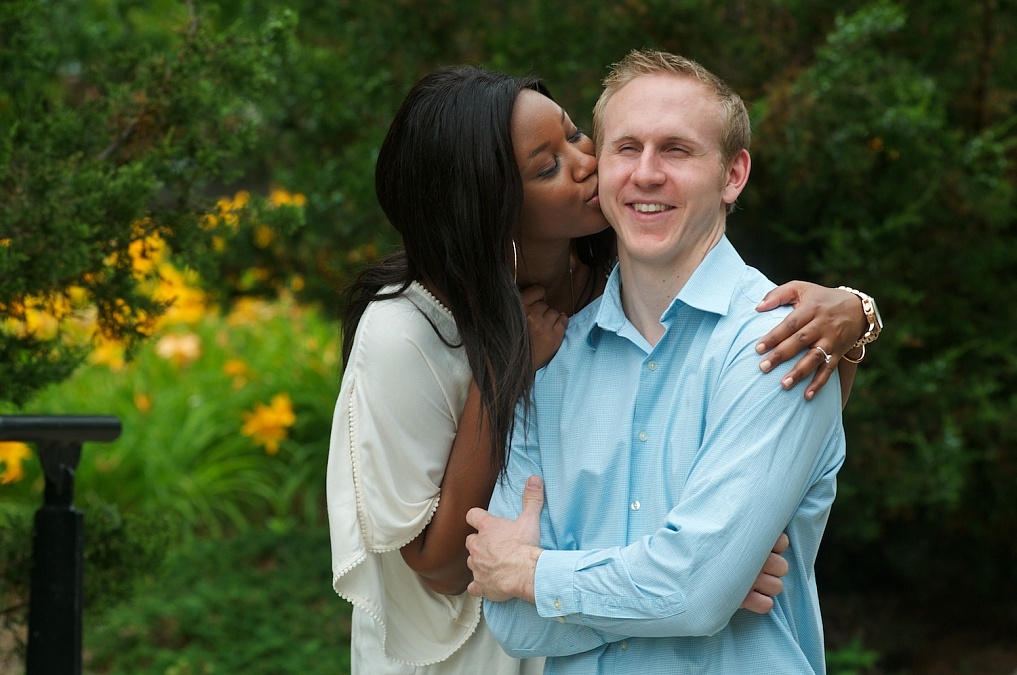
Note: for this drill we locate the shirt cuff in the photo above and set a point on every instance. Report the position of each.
(553, 583)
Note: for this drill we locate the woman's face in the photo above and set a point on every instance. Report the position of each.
(558, 169)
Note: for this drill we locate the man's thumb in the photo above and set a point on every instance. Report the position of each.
(533, 498)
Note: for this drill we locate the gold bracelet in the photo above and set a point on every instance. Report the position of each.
(851, 360)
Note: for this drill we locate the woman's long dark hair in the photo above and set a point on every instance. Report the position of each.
(447, 179)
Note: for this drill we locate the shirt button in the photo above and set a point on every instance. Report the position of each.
(557, 603)
(643, 436)
(624, 646)
(635, 505)
(561, 619)
(652, 365)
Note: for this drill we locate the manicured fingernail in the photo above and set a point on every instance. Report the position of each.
(760, 348)
(809, 395)
(787, 382)
(765, 366)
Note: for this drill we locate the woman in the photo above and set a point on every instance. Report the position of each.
(489, 194)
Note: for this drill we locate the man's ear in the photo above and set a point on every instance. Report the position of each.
(737, 176)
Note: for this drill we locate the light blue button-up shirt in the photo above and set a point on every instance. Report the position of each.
(669, 472)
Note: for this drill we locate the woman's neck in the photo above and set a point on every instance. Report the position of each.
(558, 271)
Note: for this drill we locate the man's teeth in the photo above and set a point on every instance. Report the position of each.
(650, 208)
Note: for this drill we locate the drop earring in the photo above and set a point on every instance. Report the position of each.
(515, 262)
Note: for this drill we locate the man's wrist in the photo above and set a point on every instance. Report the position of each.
(526, 591)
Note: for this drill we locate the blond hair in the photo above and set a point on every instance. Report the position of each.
(736, 132)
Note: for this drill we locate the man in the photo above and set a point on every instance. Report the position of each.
(670, 464)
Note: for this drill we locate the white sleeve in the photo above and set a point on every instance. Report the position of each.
(406, 393)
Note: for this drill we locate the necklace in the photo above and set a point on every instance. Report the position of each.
(572, 286)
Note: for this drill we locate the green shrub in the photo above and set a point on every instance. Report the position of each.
(267, 368)
(120, 549)
(257, 604)
(117, 119)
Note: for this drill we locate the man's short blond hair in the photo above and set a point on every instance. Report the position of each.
(736, 131)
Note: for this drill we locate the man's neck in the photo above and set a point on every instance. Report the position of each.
(648, 289)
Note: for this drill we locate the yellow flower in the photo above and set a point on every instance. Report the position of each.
(249, 312)
(266, 425)
(188, 304)
(41, 324)
(280, 197)
(181, 349)
(224, 215)
(12, 455)
(234, 368)
(143, 402)
(108, 353)
(37, 316)
(146, 254)
(238, 370)
(263, 236)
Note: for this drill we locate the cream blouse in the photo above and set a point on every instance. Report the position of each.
(399, 406)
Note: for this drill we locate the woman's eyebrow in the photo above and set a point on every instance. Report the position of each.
(539, 149)
(543, 146)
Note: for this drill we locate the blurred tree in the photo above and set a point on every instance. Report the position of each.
(114, 119)
(887, 166)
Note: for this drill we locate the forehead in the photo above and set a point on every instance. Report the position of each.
(663, 105)
(534, 118)
(532, 106)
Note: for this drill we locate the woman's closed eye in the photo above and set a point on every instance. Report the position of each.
(576, 136)
(551, 170)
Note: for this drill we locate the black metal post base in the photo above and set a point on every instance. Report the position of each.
(58, 538)
(55, 605)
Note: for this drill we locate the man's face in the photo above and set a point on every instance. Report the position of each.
(662, 185)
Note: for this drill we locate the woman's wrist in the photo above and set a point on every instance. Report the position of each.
(855, 354)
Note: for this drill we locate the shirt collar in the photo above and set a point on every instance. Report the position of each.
(711, 286)
(709, 289)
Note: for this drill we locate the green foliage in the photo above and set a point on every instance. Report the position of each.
(120, 549)
(114, 121)
(882, 182)
(15, 572)
(255, 604)
(182, 403)
(851, 659)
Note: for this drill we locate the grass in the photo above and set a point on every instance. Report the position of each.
(257, 604)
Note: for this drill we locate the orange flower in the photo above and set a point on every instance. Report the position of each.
(238, 370)
(12, 455)
(267, 425)
(143, 402)
(235, 367)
